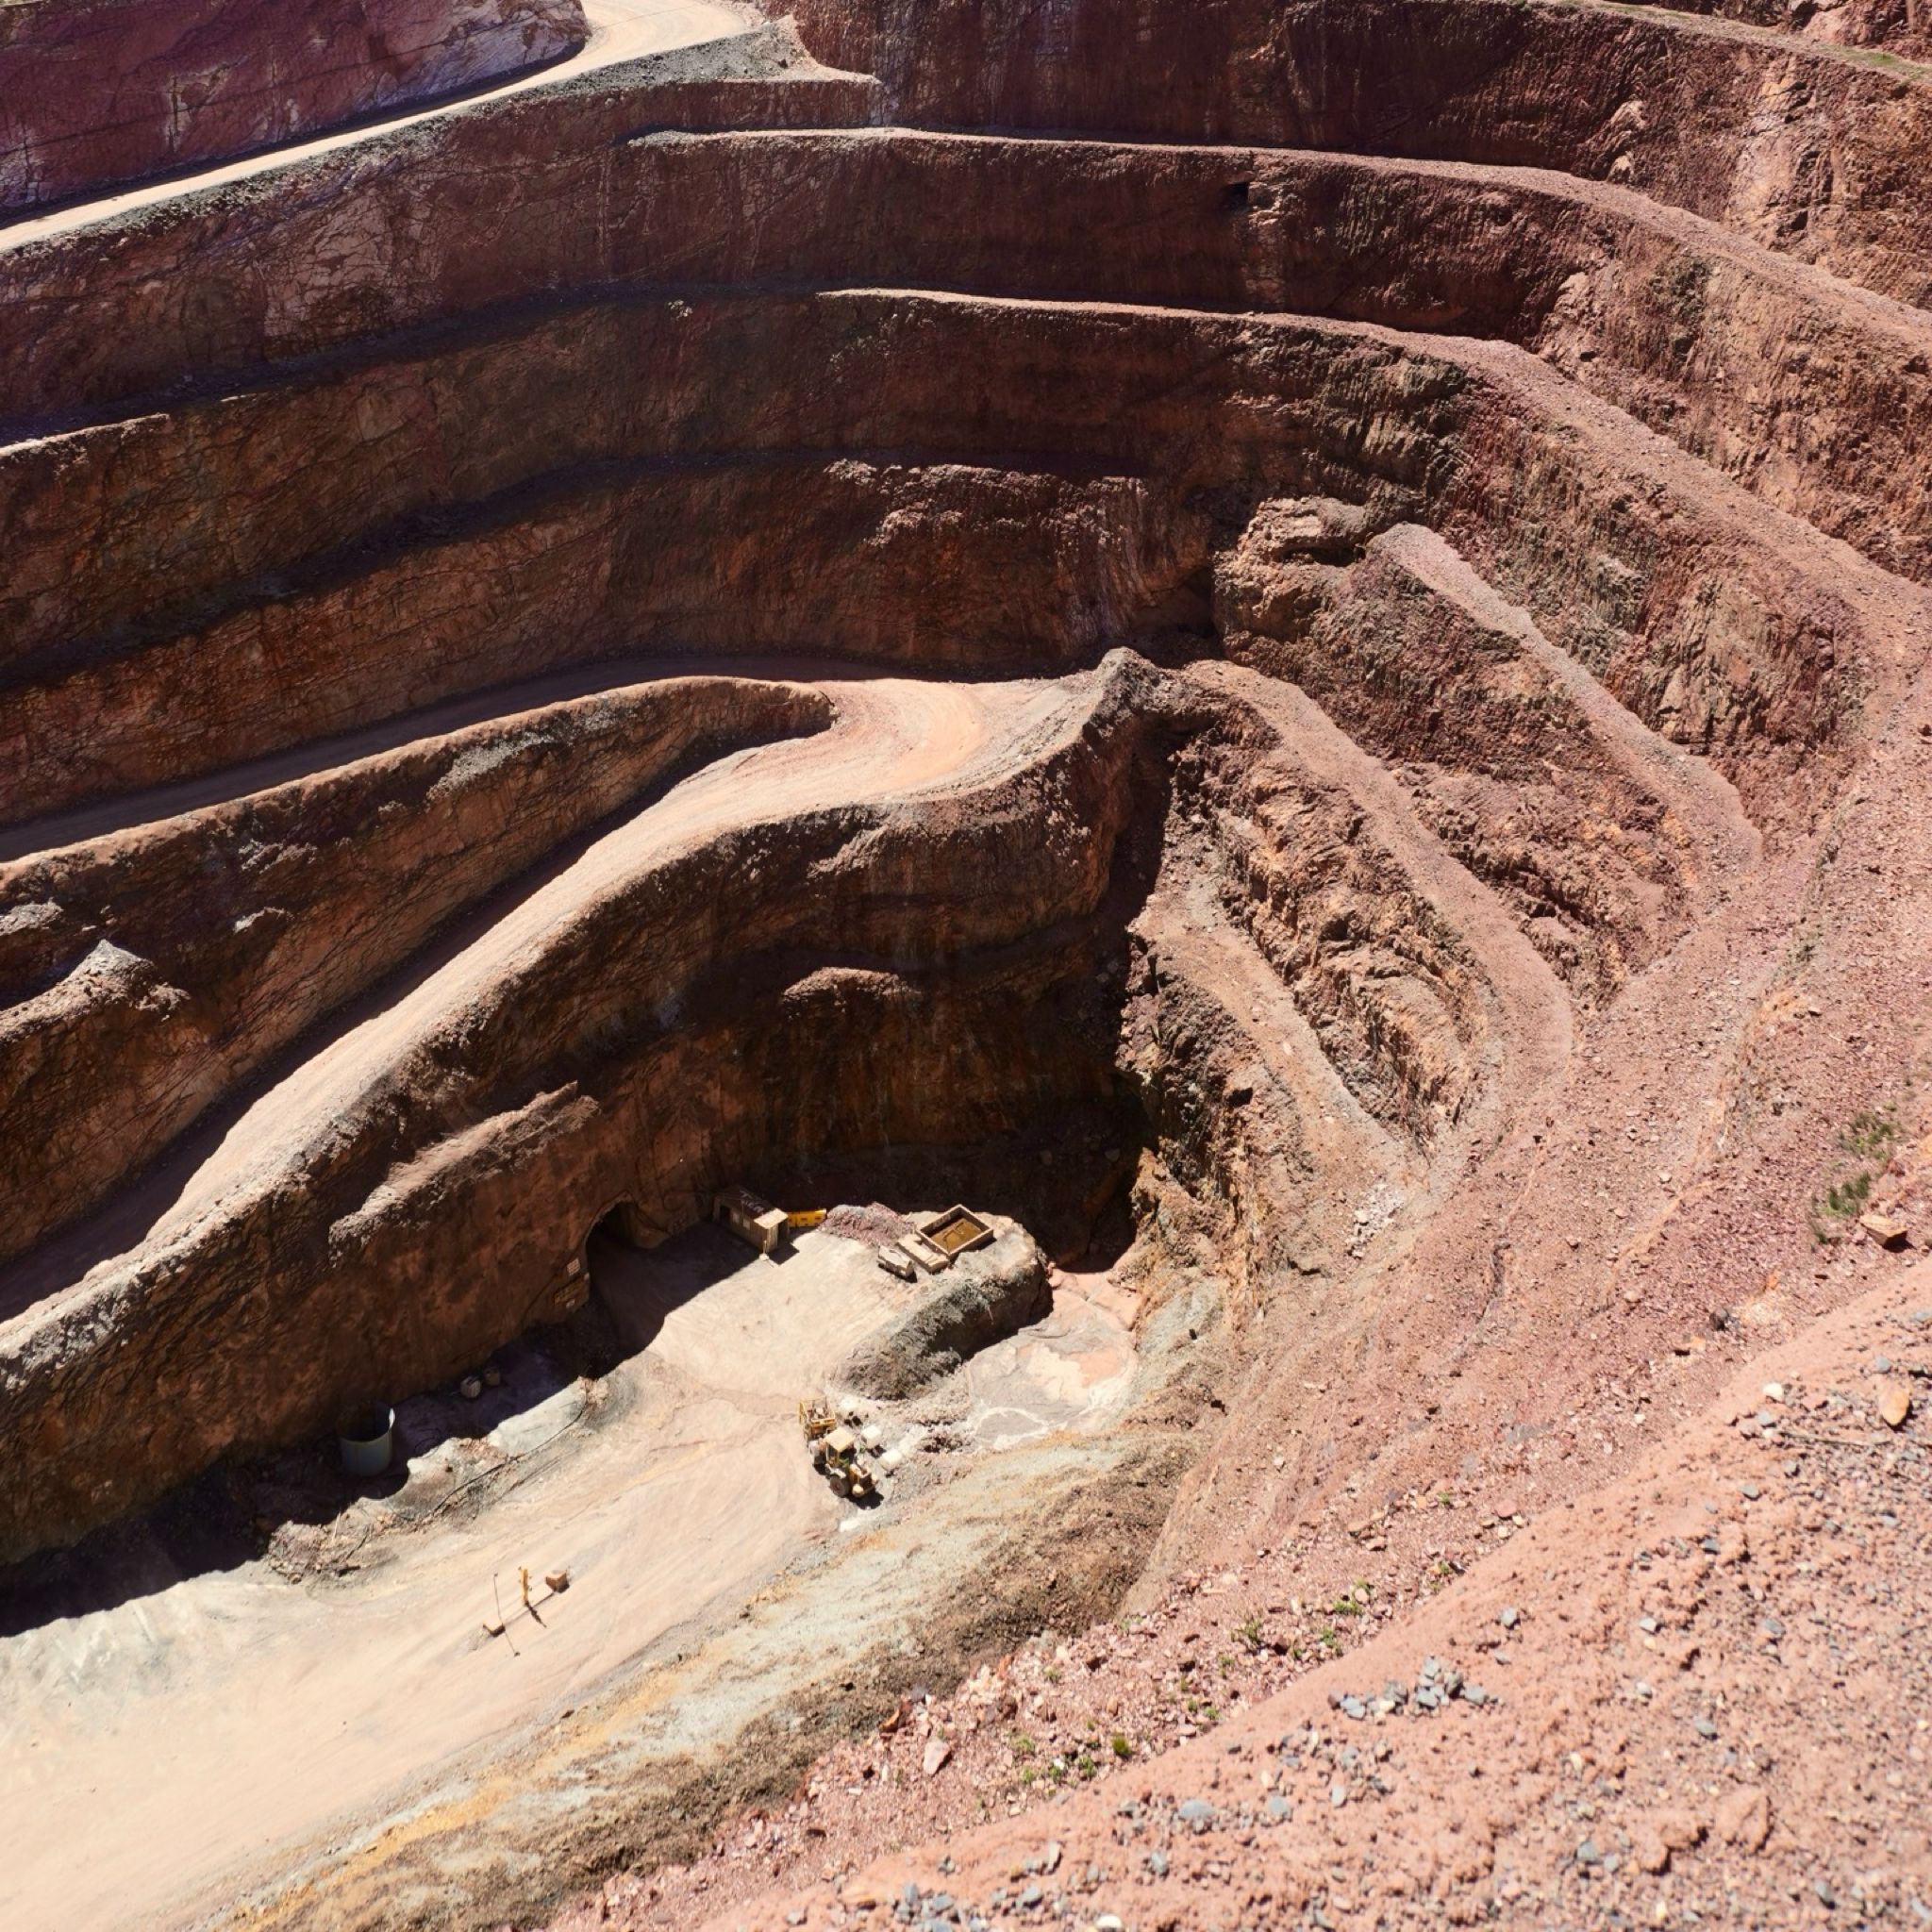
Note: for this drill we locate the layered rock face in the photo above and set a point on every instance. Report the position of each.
(95, 93)
(886, 582)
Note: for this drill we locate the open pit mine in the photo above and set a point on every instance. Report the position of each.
(965, 963)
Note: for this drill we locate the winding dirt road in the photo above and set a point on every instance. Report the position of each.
(620, 32)
(892, 737)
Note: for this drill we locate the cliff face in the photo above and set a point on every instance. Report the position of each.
(1797, 145)
(98, 94)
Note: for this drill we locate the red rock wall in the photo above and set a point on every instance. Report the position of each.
(697, 1017)
(492, 201)
(1793, 143)
(1903, 25)
(602, 558)
(95, 93)
(975, 570)
(1819, 396)
(234, 929)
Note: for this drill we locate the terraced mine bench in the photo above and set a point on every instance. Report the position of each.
(97, 93)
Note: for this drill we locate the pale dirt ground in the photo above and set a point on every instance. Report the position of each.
(690, 1488)
(140, 1782)
(1072, 1369)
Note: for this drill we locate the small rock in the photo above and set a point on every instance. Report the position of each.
(1651, 1853)
(1750, 1492)
(1886, 1230)
(1338, 1795)
(1704, 1728)
(472, 1386)
(1197, 1814)
(1586, 1852)
(557, 1581)
(1510, 1618)
(1678, 1830)
(936, 1752)
(1894, 1404)
(1744, 1818)
(1156, 1863)
(1050, 1859)
(1826, 1897)
(1278, 1808)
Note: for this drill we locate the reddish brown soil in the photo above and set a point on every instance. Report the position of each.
(1702, 1694)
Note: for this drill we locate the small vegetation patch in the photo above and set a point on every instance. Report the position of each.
(1869, 1138)
(1873, 1135)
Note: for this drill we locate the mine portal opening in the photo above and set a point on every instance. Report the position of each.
(622, 1222)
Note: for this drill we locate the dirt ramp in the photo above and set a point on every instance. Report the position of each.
(99, 94)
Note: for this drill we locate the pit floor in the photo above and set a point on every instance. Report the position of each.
(163, 1749)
